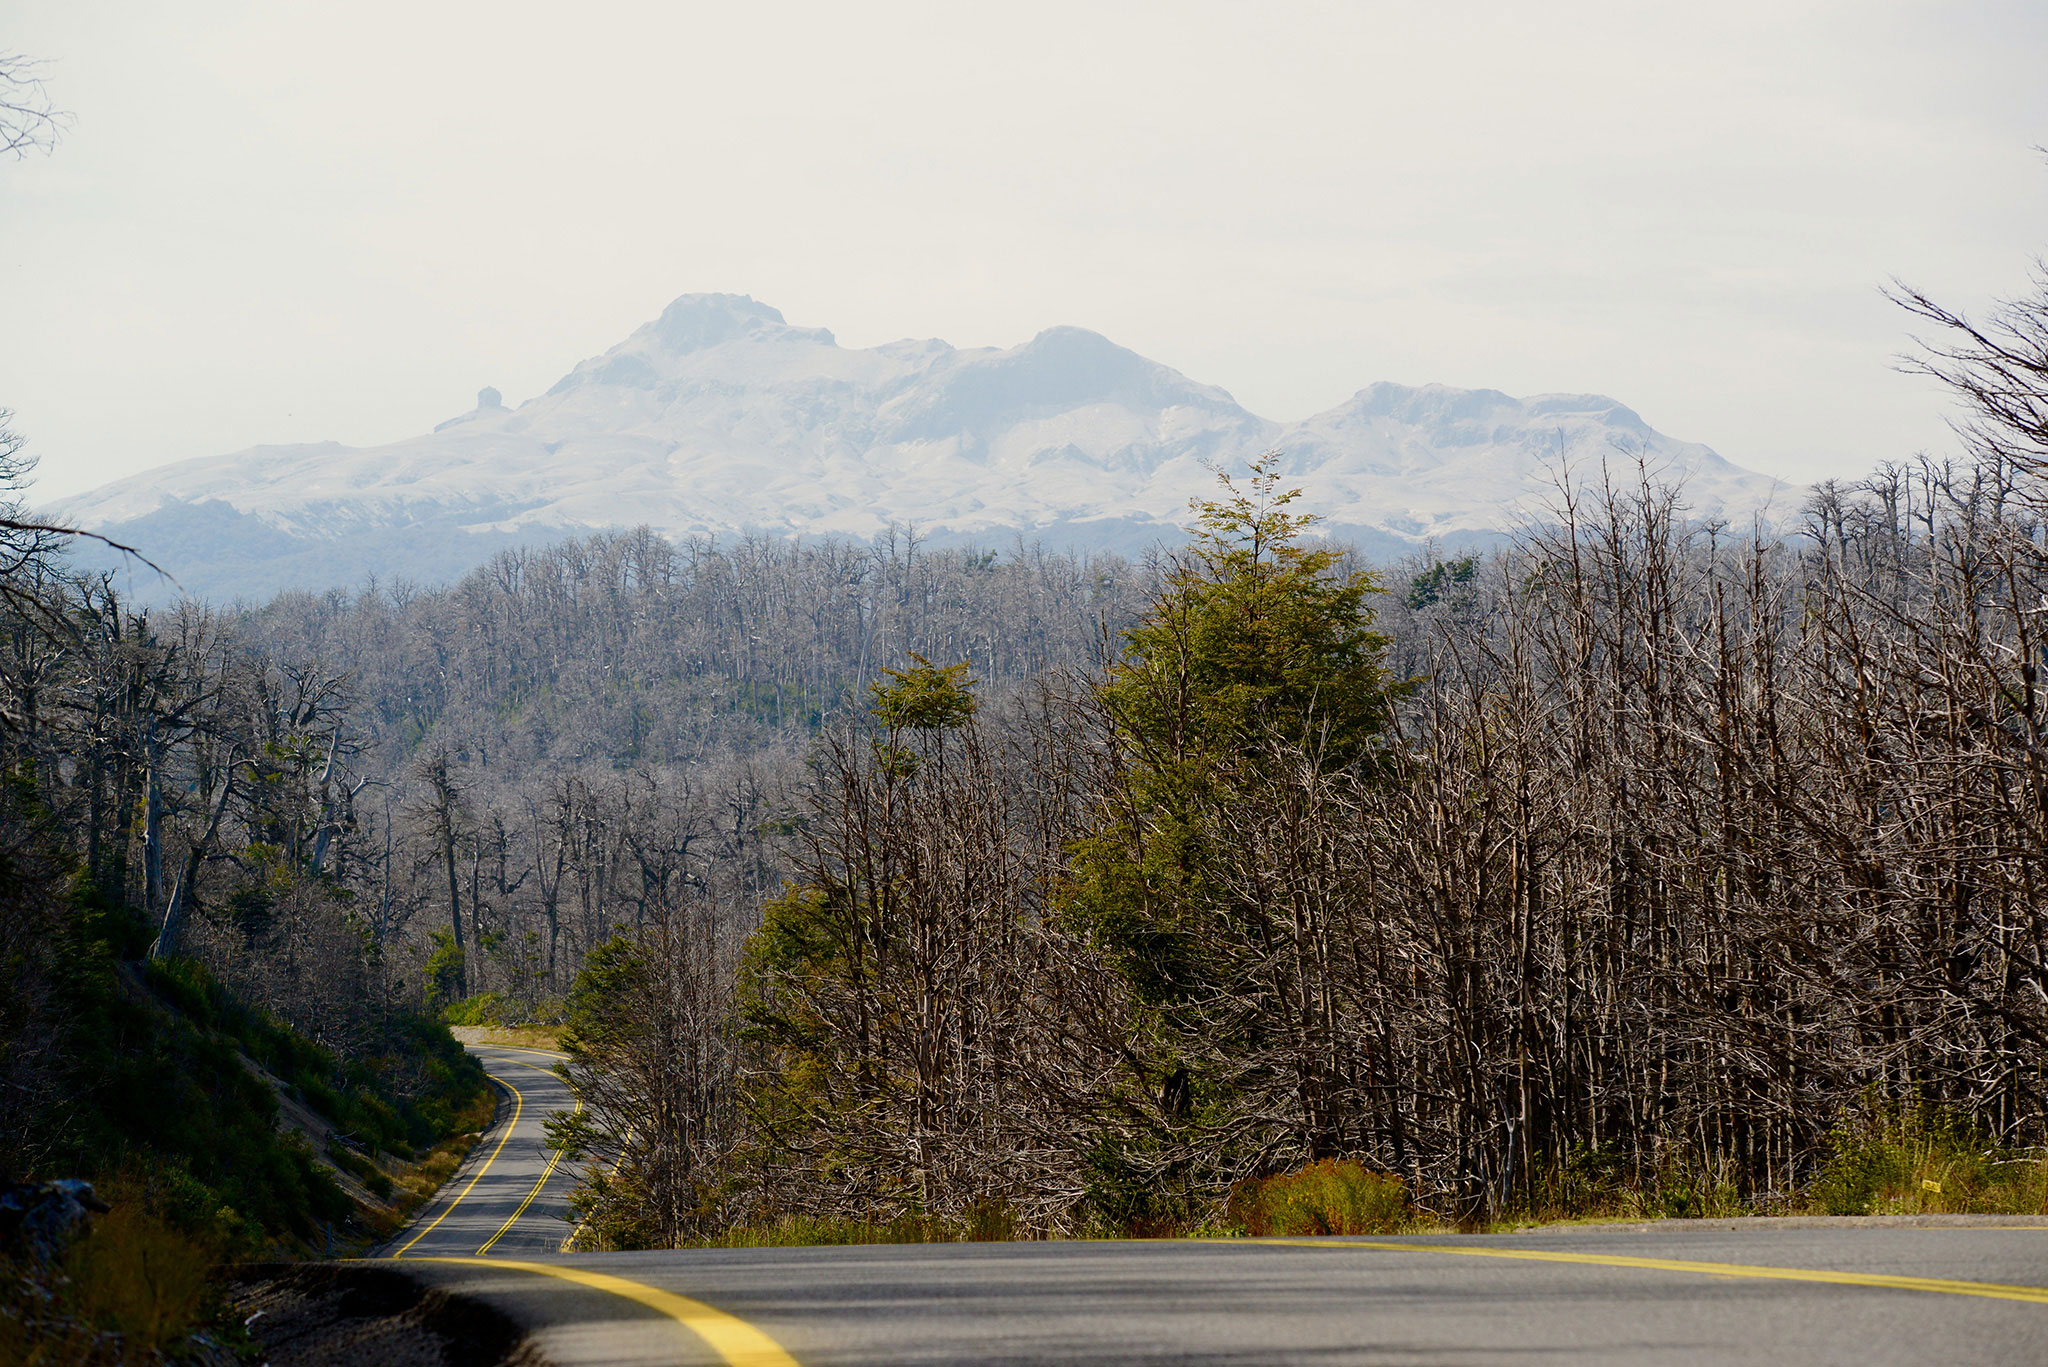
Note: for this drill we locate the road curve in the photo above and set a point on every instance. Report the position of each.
(1866, 1293)
(510, 1197)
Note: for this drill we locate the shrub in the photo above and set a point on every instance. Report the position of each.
(136, 1276)
(806, 1231)
(1335, 1196)
(485, 1008)
(1891, 1159)
(989, 1221)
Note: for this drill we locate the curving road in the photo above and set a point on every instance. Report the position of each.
(1870, 1293)
(510, 1197)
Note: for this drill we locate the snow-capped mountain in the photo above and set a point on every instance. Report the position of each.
(720, 418)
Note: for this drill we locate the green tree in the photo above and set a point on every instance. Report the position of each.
(1252, 689)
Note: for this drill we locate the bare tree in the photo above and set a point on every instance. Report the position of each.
(29, 122)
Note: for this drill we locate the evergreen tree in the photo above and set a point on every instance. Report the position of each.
(1249, 692)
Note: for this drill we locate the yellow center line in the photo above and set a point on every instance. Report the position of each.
(568, 1244)
(535, 1066)
(1997, 1291)
(518, 1103)
(735, 1341)
(523, 1048)
(545, 1174)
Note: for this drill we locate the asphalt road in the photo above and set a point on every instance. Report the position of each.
(1693, 1292)
(510, 1198)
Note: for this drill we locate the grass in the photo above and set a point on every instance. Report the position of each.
(1334, 1196)
(135, 1287)
(1885, 1159)
(518, 1036)
(414, 1184)
(1913, 1160)
(182, 1138)
(983, 1221)
(807, 1231)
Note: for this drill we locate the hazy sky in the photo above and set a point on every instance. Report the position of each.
(280, 222)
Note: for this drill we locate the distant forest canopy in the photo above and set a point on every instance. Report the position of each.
(881, 881)
(587, 732)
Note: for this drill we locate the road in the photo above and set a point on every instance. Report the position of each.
(510, 1198)
(1678, 1292)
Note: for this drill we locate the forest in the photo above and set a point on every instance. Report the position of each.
(191, 1021)
(1647, 864)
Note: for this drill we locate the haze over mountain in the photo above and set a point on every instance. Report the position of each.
(719, 418)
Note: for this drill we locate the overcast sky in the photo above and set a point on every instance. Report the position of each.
(277, 222)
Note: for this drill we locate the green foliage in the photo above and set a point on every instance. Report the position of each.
(168, 1107)
(1688, 1187)
(1254, 678)
(1256, 640)
(129, 1290)
(924, 700)
(807, 937)
(1256, 636)
(1128, 1191)
(164, 1085)
(1605, 1181)
(1593, 1179)
(1334, 1196)
(612, 1208)
(1892, 1159)
(1441, 580)
(444, 972)
(649, 1059)
(138, 1276)
(361, 1168)
(984, 1221)
(398, 1099)
(804, 1231)
(483, 1008)
(611, 973)
(925, 697)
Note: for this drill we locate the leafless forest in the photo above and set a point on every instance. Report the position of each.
(1640, 852)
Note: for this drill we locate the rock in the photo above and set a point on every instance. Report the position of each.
(40, 1218)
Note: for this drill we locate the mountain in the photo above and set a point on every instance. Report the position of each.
(719, 418)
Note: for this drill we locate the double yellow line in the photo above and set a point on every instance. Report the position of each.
(518, 1103)
(518, 1106)
(740, 1344)
(545, 1173)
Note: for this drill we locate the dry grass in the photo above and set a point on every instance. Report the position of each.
(417, 1182)
(136, 1276)
(130, 1288)
(414, 1184)
(1335, 1196)
(519, 1036)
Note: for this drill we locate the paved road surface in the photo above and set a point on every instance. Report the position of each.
(1687, 1292)
(510, 1198)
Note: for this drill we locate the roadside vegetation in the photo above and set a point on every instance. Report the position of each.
(1640, 867)
(1644, 868)
(193, 1020)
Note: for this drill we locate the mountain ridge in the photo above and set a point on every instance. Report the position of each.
(720, 418)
